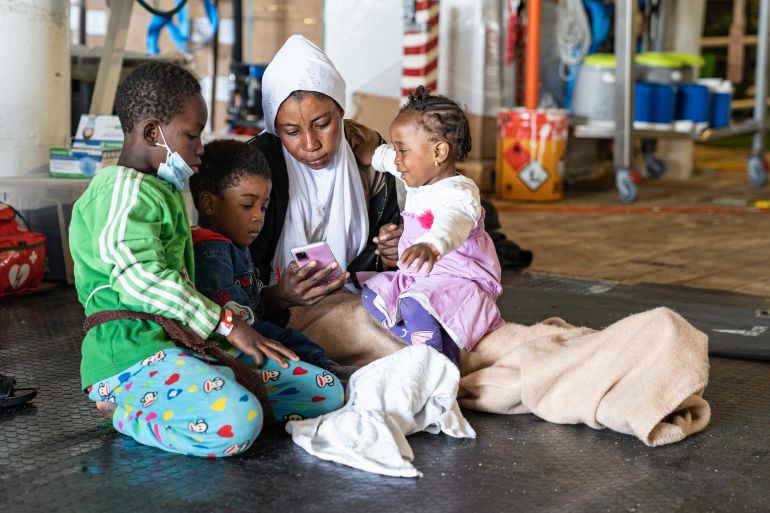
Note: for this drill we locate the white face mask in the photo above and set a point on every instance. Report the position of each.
(175, 170)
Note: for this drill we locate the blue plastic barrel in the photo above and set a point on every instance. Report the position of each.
(654, 103)
(643, 102)
(720, 112)
(693, 102)
(664, 102)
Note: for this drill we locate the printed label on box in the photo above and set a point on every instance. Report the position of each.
(74, 163)
(98, 132)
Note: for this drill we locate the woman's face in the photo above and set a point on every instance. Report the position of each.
(309, 128)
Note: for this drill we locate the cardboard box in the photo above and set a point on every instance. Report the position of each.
(483, 135)
(80, 162)
(377, 112)
(98, 133)
(480, 171)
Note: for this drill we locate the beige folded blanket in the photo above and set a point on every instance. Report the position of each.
(643, 375)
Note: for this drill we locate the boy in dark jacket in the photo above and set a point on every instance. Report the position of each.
(231, 193)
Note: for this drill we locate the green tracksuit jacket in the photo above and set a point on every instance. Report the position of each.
(131, 245)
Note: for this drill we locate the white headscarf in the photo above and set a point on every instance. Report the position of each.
(324, 204)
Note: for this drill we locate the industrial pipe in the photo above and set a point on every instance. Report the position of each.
(532, 72)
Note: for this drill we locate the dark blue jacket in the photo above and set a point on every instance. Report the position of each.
(224, 272)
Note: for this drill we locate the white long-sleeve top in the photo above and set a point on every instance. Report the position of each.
(454, 203)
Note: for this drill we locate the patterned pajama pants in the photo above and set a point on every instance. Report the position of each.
(179, 402)
(417, 326)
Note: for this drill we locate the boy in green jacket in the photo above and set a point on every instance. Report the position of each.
(133, 254)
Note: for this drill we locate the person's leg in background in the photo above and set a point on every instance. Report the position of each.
(511, 256)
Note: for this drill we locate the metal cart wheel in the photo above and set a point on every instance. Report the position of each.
(655, 166)
(758, 169)
(626, 182)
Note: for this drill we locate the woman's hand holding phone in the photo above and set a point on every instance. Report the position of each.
(305, 286)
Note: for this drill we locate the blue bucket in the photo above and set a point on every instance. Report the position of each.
(654, 103)
(693, 102)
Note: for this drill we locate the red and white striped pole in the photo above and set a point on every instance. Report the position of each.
(420, 45)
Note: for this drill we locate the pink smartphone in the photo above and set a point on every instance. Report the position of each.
(321, 253)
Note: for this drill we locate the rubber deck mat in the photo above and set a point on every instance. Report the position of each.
(738, 325)
(57, 454)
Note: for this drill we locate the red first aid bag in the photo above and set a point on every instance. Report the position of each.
(22, 254)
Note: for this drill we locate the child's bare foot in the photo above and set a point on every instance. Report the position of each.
(106, 408)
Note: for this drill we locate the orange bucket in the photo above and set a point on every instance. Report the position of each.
(530, 147)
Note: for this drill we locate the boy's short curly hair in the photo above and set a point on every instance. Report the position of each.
(154, 89)
(441, 118)
(224, 163)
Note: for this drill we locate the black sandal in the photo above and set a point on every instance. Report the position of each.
(11, 396)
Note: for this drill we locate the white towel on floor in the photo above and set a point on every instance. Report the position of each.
(412, 390)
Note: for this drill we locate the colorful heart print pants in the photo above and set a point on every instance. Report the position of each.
(177, 401)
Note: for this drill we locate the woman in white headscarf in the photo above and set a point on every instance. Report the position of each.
(324, 187)
(320, 191)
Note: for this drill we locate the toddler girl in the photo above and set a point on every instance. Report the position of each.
(448, 279)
